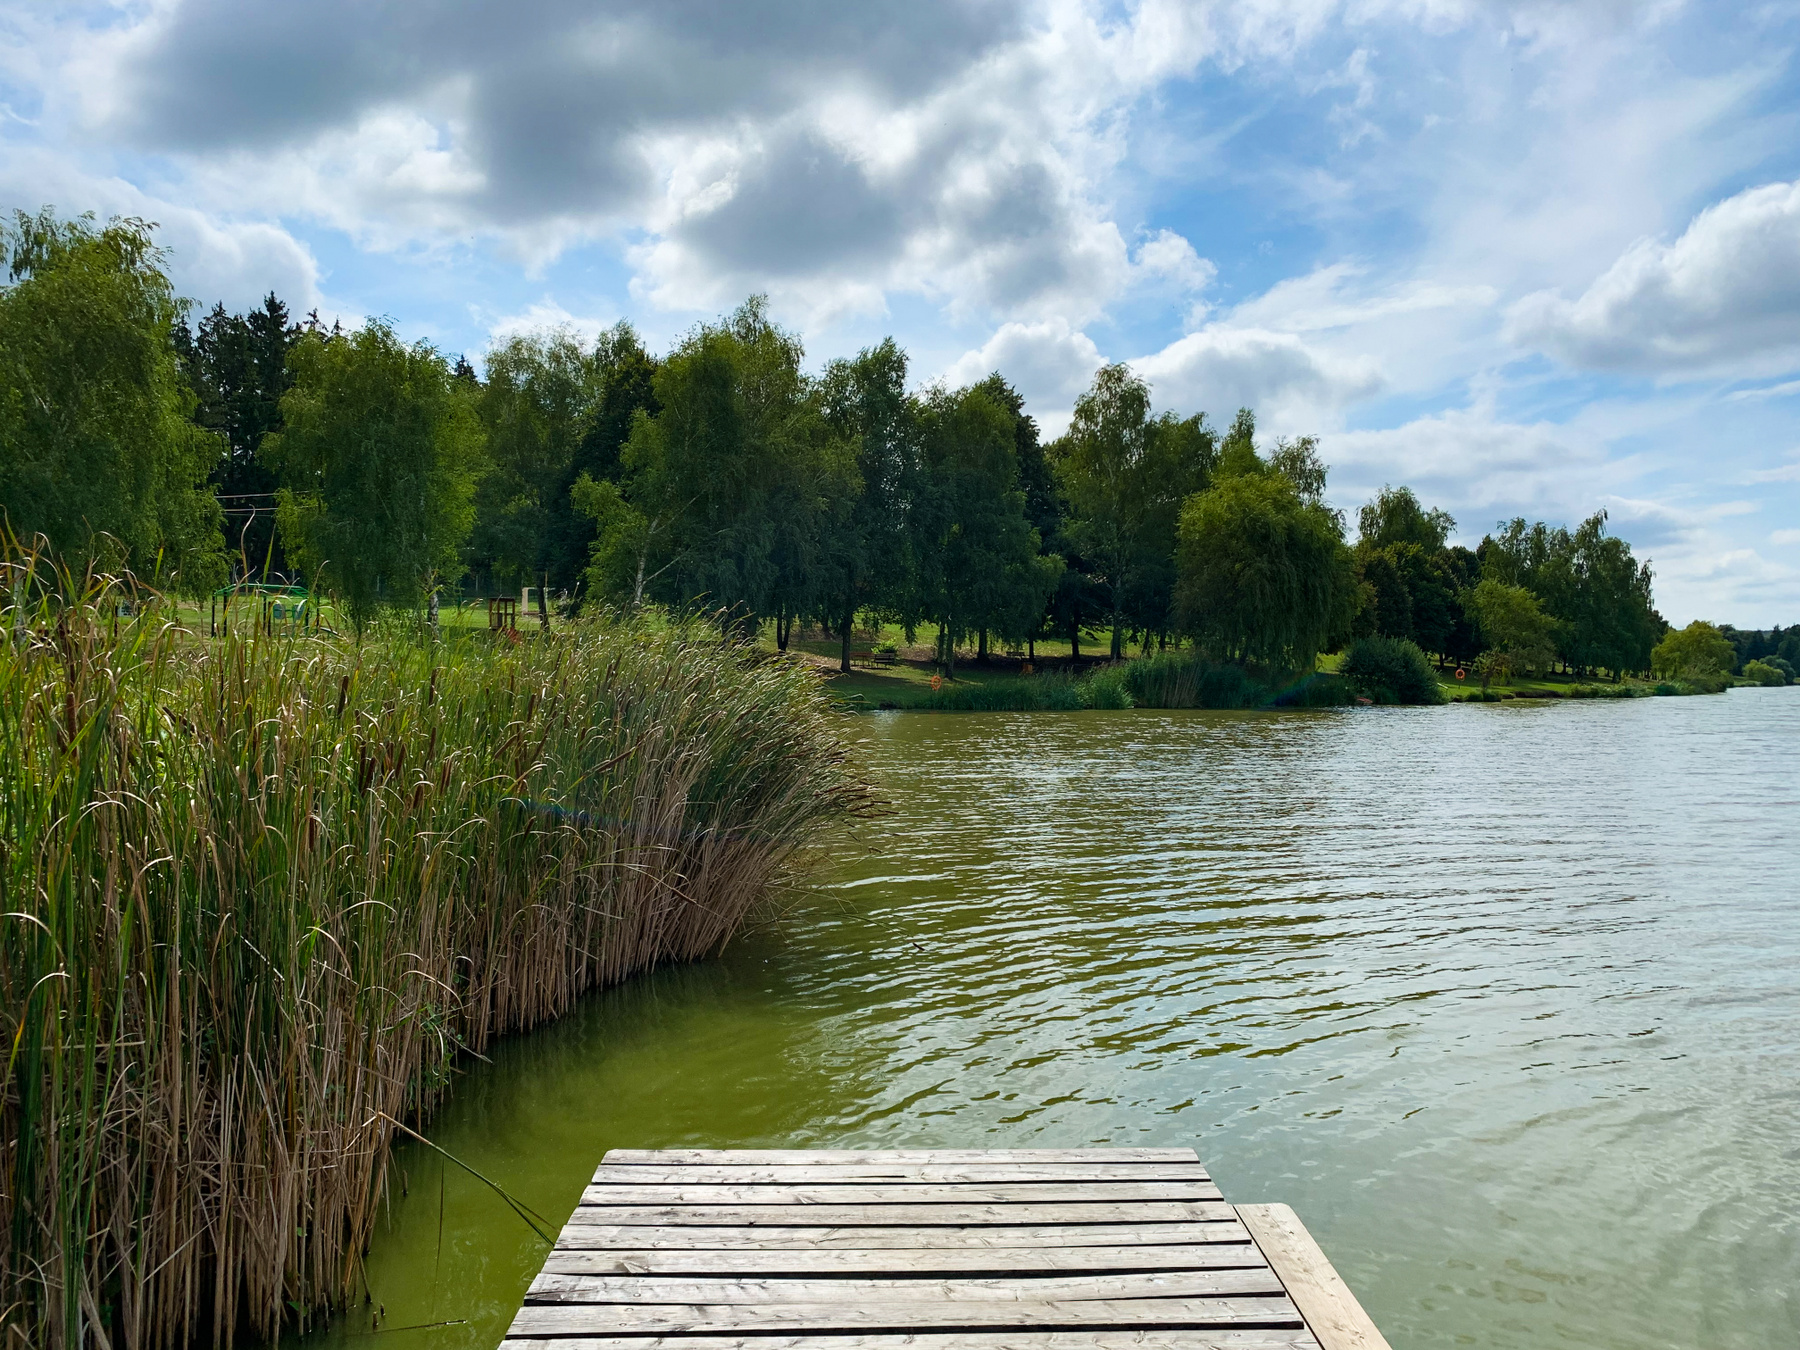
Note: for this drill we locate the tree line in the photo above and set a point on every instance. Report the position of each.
(723, 474)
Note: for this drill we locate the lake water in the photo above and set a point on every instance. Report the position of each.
(1503, 999)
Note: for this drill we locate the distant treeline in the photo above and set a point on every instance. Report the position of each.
(724, 475)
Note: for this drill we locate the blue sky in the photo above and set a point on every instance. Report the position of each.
(1535, 259)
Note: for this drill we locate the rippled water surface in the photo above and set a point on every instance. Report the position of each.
(1504, 1000)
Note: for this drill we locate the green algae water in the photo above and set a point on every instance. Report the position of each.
(1503, 999)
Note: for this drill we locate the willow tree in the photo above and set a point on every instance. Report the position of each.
(99, 455)
(379, 456)
(1263, 574)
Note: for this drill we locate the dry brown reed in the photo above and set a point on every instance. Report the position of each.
(259, 893)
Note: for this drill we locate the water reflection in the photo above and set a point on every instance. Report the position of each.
(1503, 1000)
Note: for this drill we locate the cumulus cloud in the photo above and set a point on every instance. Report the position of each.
(547, 315)
(1049, 363)
(828, 154)
(1221, 368)
(1785, 537)
(1170, 257)
(1726, 292)
(210, 258)
(1478, 467)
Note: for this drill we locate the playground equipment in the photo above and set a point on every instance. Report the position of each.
(271, 606)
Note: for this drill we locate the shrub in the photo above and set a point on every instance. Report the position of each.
(1697, 651)
(1765, 674)
(1107, 687)
(1391, 670)
(1024, 693)
(1188, 680)
(1601, 691)
(1318, 690)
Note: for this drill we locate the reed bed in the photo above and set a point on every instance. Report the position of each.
(259, 893)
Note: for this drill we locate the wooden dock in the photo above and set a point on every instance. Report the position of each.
(1009, 1249)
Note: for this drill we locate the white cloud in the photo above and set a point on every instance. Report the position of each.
(547, 315)
(211, 258)
(1781, 473)
(1727, 291)
(1170, 257)
(1478, 468)
(1049, 363)
(1223, 367)
(1785, 537)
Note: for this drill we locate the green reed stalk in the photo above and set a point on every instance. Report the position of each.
(260, 892)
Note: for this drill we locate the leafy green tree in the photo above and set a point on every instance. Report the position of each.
(1610, 620)
(626, 384)
(1461, 572)
(1410, 589)
(379, 454)
(734, 474)
(979, 565)
(1765, 673)
(535, 407)
(1125, 475)
(1391, 670)
(1396, 517)
(1588, 581)
(867, 562)
(1180, 456)
(1696, 652)
(1263, 572)
(100, 456)
(1513, 622)
(1046, 510)
(237, 365)
(1237, 450)
(623, 538)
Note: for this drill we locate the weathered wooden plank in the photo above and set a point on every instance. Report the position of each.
(785, 1157)
(614, 1319)
(1296, 1338)
(1042, 1288)
(964, 1261)
(1330, 1309)
(918, 1173)
(599, 1236)
(864, 1216)
(1036, 1192)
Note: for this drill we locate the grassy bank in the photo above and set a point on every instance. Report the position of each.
(260, 893)
(1166, 680)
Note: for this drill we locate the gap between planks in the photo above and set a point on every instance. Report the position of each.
(903, 1260)
(1040, 1192)
(600, 1235)
(927, 1173)
(941, 1215)
(781, 1157)
(1043, 1288)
